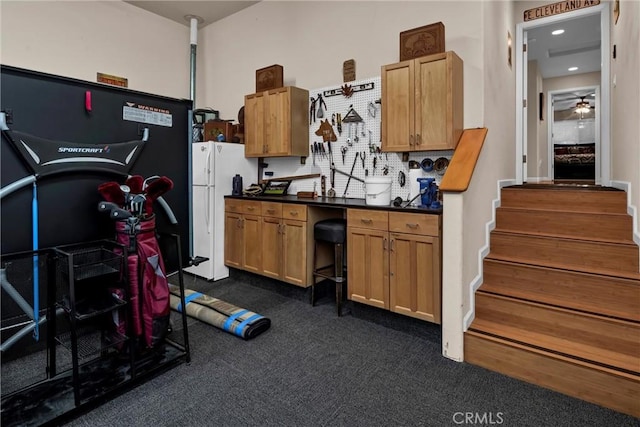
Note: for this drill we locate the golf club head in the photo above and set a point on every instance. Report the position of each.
(110, 192)
(126, 190)
(156, 189)
(120, 214)
(107, 206)
(135, 183)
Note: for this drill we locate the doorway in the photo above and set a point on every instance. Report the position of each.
(573, 132)
(575, 58)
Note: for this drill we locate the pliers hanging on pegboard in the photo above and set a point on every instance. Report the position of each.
(320, 102)
(312, 111)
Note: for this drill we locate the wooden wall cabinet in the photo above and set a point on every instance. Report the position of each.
(422, 103)
(276, 123)
(243, 235)
(394, 262)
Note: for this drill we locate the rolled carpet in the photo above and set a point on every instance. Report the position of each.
(218, 313)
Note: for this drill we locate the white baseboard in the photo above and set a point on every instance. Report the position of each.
(484, 251)
(536, 179)
(631, 209)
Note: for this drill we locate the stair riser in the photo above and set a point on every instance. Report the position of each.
(572, 253)
(573, 200)
(618, 392)
(604, 295)
(576, 327)
(582, 225)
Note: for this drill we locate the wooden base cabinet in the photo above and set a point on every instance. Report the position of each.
(284, 242)
(368, 266)
(423, 103)
(274, 240)
(243, 233)
(414, 276)
(394, 262)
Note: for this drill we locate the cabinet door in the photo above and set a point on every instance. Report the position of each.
(368, 266)
(252, 254)
(233, 240)
(277, 122)
(294, 252)
(254, 127)
(397, 106)
(271, 247)
(414, 276)
(431, 104)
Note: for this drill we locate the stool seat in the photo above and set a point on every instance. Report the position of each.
(331, 230)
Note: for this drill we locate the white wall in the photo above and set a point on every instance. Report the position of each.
(312, 39)
(81, 38)
(625, 103)
(466, 214)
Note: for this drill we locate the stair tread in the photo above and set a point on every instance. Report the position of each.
(539, 351)
(588, 306)
(562, 266)
(559, 211)
(554, 344)
(562, 187)
(616, 242)
(501, 229)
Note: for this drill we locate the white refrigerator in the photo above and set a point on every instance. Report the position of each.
(213, 166)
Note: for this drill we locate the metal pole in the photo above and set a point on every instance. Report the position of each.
(194, 48)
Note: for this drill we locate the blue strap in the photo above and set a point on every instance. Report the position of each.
(227, 324)
(187, 300)
(244, 323)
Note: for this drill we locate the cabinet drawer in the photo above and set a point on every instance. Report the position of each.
(273, 210)
(425, 225)
(365, 218)
(252, 208)
(233, 205)
(291, 211)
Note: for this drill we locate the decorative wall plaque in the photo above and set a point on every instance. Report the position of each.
(422, 41)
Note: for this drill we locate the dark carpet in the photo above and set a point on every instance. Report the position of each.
(312, 368)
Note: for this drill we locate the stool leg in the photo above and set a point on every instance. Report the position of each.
(313, 279)
(338, 270)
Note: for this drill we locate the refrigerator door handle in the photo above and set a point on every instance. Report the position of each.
(207, 166)
(207, 210)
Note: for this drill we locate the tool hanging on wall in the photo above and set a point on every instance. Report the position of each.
(320, 103)
(348, 90)
(355, 159)
(312, 111)
(339, 123)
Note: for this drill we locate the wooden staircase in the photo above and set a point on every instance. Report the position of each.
(560, 303)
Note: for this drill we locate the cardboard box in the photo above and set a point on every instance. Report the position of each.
(422, 41)
(269, 78)
(214, 128)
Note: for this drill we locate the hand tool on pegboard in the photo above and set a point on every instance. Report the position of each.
(355, 159)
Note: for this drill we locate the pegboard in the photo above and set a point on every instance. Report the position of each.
(366, 103)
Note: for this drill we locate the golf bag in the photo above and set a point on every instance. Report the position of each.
(131, 205)
(148, 285)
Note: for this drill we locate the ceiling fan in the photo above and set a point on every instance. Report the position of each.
(573, 101)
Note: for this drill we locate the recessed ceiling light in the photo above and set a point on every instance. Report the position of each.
(572, 68)
(557, 32)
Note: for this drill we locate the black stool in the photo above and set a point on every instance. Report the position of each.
(330, 231)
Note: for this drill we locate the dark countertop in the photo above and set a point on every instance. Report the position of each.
(337, 202)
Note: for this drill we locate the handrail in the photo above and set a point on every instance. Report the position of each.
(463, 162)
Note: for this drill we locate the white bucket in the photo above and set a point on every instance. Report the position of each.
(377, 191)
